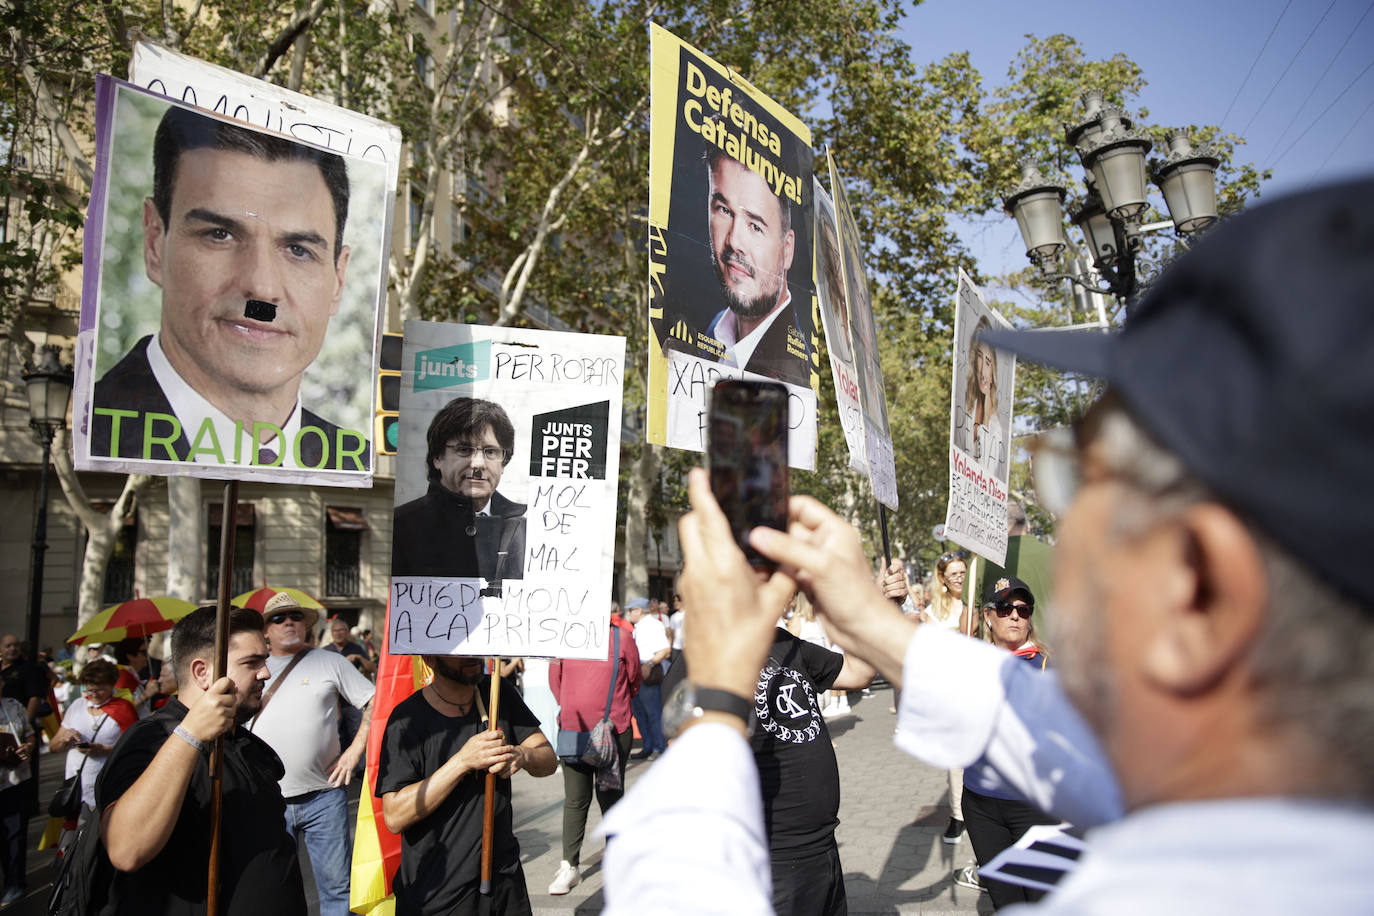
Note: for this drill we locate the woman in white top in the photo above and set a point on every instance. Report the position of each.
(92, 725)
(947, 609)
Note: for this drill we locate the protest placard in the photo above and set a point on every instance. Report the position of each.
(979, 429)
(861, 336)
(506, 471)
(730, 255)
(232, 293)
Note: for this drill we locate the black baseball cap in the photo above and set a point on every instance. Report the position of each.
(1003, 587)
(1252, 360)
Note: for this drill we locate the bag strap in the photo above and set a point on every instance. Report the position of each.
(615, 672)
(271, 691)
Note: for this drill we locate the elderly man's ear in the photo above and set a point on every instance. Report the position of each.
(1211, 595)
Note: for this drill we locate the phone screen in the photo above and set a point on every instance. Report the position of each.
(747, 448)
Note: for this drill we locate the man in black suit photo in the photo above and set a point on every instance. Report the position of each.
(462, 527)
(243, 233)
(752, 246)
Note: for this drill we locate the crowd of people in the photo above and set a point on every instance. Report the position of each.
(1205, 716)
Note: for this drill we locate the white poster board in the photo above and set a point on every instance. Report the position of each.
(510, 555)
(979, 429)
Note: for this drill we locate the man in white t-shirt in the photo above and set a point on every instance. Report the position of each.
(651, 639)
(300, 720)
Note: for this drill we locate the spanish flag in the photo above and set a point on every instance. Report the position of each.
(376, 850)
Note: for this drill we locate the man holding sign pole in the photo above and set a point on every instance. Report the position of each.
(435, 751)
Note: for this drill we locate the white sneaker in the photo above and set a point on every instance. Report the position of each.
(568, 877)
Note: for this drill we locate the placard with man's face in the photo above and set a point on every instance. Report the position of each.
(230, 320)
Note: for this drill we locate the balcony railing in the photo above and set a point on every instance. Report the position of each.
(341, 580)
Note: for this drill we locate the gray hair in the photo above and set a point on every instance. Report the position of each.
(1314, 658)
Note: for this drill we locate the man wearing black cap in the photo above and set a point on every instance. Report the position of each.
(1214, 613)
(994, 813)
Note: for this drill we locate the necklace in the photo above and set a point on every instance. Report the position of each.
(462, 707)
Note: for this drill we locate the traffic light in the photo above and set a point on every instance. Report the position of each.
(388, 395)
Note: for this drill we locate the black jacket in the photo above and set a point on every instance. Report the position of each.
(439, 534)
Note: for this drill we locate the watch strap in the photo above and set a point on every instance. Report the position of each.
(710, 699)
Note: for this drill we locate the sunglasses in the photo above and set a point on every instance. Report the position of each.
(284, 616)
(954, 555)
(1023, 611)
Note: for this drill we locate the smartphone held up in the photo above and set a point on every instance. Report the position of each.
(747, 450)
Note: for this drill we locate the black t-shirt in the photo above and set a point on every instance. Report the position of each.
(25, 680)
(259, 872)
(797, 770)
(442, 853)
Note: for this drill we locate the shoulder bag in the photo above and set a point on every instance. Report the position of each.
(574, 746)
(66, 801)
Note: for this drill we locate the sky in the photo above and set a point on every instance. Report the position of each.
(1272, 71)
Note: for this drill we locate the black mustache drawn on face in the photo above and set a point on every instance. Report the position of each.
(257, 310)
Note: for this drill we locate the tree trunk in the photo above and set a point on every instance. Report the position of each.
(102, 528)
(185, 537)
(644, 478)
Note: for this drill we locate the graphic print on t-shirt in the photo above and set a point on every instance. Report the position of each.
(785, 704)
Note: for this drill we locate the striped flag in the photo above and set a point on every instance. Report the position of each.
(376, 850)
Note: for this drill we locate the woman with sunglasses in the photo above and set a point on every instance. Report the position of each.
(946, 609)
(995, 815)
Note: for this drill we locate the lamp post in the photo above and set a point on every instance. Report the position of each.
(50, 388)
(1113, 153)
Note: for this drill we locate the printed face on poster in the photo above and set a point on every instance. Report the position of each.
(980, 428)
(863, 342)
(231, 299)
(731, 291)
(834, 310)
(506, 471)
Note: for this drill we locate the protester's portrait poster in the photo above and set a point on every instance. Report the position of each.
(863, 343)
(503, 541)
(233, 284)
(834, 310)
(979, 429)
(730, 249)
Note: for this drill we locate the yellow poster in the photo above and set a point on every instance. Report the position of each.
(731, 288)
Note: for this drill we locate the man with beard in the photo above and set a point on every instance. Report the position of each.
(436, 752)
(752, 244)
(462, 527)
(1212, 604)
(300, 720)
(154, 793)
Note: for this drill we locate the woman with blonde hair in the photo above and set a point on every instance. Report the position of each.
(980, 398)
(947, 609)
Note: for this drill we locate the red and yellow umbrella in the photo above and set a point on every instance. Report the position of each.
(138, 617)
(257, 599)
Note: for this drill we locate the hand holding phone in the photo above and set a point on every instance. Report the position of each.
(747, 448)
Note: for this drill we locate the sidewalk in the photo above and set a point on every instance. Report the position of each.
(892, 812)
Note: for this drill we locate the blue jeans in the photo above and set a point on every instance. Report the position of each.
(648, 710)
(323, 818)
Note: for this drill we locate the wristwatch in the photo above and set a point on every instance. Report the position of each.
(689, 702)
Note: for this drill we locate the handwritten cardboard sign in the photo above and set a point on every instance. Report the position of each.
(507, 464)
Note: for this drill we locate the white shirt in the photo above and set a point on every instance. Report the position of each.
(704, 793)
(1265, 856)
(97, 728)
(675, 622)
(193, 410)
(301, 722)
(738, 352)
(651, 637)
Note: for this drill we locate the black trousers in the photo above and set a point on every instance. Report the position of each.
(509, 897)
(994, 824)
(578, 782)
(14, 830)
(811, 884)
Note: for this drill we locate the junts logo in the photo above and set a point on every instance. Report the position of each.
(449, 366)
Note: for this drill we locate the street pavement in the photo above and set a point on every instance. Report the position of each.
(892, 811)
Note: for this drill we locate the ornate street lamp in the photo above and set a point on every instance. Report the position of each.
(50, 388)
(1187, 178)
(1113, 154)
